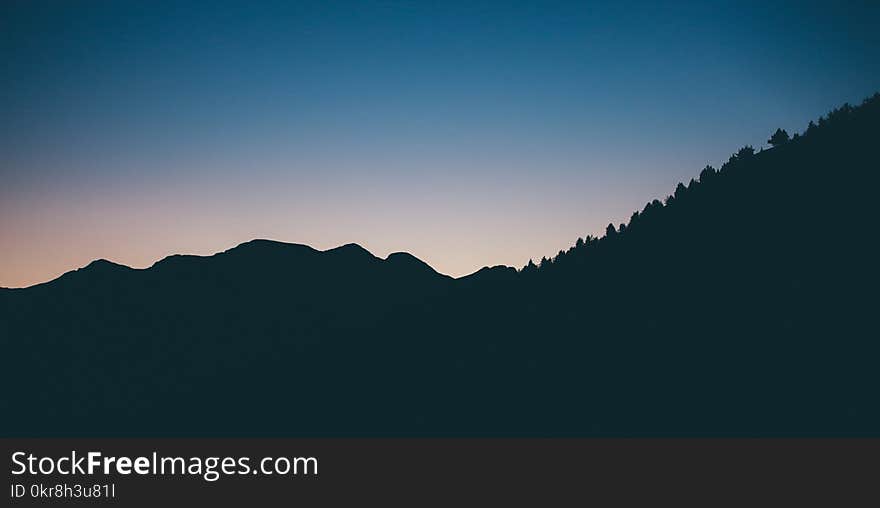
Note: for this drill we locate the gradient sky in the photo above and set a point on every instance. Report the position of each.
(467, 133)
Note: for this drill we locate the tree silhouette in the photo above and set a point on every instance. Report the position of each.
(780, 137)
(680, 190)
(610, 231)
(745, 152)
(707, 173)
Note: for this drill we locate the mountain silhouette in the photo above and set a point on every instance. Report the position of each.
(741, 304)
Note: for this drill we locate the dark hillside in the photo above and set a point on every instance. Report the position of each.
(742, 304)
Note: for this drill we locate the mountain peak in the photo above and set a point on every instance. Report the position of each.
(350, 247)
(350, 254)
(410, 264)
(405, 258)
(496, 273)
(104, 264)
(97, 270)
(262, 247)
(263, 243)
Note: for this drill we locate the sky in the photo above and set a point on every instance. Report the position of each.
(467, 133)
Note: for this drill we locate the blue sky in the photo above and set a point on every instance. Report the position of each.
(468, 133)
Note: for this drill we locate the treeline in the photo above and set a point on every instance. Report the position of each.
(830, 125)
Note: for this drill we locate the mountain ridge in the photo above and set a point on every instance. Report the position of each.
(261, 244)
(740, 305)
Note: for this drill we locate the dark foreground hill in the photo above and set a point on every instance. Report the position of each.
(743, 304)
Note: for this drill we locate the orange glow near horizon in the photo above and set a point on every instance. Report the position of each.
(455, 229)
